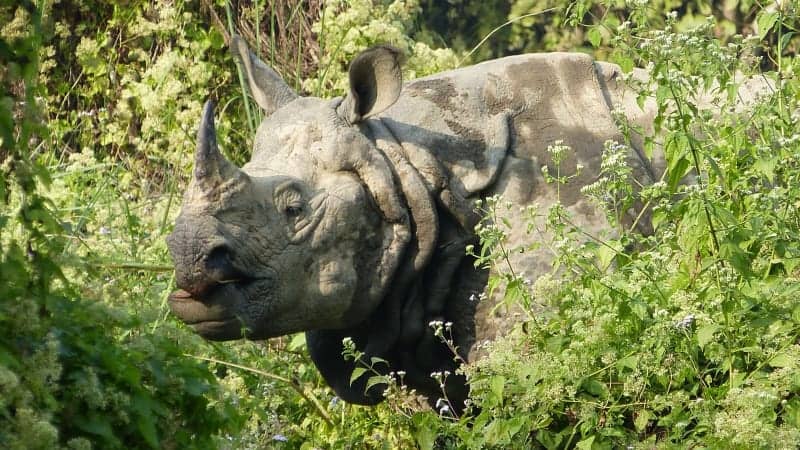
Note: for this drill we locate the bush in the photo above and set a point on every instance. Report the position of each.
(76, 372)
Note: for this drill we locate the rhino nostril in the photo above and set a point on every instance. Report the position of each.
(219, 264)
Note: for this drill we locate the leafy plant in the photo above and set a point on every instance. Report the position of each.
(691, 338)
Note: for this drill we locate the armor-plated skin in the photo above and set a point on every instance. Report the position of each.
(352, 216)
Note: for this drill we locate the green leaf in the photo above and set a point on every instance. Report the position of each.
(595, 387)
(97, 425)
(765, 21)
(738, 258)
(782, 360)
(706, 334)
(496, 432)
(626, 63)
(497, 384)
(642, 419)
(502, 431)
(425, 437)
(147, 427)
(195, 386)
(585, 444)
(607, 253)
(376, 360)
(677, 170)
(298, 341)
(375, 381)
(357, 372)
(215, 38)
(662, 94)
(791, 412)
(784, 42)
(425, 430)
(594, 36)
(766, 167)
(629, 361)
(549, 439)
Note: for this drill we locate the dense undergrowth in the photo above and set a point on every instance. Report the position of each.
(684, 338)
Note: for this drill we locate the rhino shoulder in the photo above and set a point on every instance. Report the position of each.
(458, 118)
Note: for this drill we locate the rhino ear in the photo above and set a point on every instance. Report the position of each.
(375, 83)
(267, 87)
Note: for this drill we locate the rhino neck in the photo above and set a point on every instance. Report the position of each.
(424, 235)
(434, 281)
(442, 223)
(398, 331)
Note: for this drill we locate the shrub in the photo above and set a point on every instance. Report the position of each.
(75, 372)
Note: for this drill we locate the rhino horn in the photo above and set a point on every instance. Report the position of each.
(210, 167)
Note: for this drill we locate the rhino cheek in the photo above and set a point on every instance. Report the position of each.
(307, 299)
(337, 279)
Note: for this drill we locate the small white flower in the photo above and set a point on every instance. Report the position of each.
(685, 323)
(435, 323)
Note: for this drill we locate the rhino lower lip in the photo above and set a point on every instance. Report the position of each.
(193, 311)
(210, 303)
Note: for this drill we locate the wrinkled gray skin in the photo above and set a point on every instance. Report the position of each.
(352, 216)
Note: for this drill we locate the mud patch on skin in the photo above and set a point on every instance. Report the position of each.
(440, 92)
(466, 143)
(472, 145)
(498, 95)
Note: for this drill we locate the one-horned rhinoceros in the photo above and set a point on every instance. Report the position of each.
(352, 216)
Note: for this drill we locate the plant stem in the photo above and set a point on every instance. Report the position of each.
(696, 161)
(250, 122)
(307, 395)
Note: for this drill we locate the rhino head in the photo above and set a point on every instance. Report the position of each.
(314, 233)
(306, 235)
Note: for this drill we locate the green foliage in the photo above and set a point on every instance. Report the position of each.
(348, 27)
(76, 372)
(523, 26)
(99, 109)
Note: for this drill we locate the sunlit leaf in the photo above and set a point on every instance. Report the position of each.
(357, 372)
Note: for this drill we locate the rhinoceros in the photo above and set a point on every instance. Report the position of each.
(352, 216)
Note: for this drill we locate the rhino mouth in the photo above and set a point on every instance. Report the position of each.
(211, 312)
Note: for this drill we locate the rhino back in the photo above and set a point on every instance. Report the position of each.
(490, 126)
(473, 119)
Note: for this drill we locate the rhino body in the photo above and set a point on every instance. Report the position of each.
(351, 219)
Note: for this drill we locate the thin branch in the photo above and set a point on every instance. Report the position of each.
(307, 395)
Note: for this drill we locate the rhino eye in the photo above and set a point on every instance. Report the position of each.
(293, 211)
